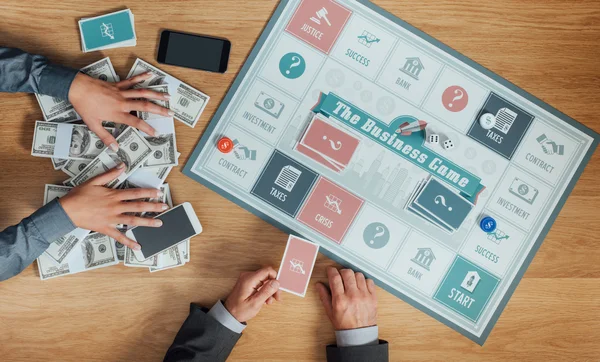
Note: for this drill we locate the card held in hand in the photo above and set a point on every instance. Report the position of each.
(297, 265)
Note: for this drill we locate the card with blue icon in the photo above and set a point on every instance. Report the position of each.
(114, 30)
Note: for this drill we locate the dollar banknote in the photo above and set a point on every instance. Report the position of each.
(133, 152)
(66, 141)
(168, 259)
(150, 177)
(60, 110)
(164, 151)
(60, 249)
(131, 261)
(161, 88)
(74, 167)
(59, 163)
(187, 102)
(95, 251)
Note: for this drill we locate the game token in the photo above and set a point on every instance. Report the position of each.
(487, 121)
(488, 224)
(225, 145)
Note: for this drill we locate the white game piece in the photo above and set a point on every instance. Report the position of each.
(434, 139)
(448, 144)
(487, 121)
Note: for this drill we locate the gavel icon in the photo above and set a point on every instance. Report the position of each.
(322, 14)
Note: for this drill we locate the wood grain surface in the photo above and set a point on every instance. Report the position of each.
(548, 47)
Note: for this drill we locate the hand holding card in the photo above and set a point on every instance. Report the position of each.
(251, 292)
(297, 265)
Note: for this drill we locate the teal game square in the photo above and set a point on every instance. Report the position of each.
(107, 30)
(466, 288)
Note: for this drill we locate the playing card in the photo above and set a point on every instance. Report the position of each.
(309, 152)
(330, 141)
(297, 265)
(444, 204)
(106, 31)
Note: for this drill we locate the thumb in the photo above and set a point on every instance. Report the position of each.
(108, 176)
(268, 290)
(325, 297)
(106, 137)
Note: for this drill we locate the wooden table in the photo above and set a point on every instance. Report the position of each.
(548, 47)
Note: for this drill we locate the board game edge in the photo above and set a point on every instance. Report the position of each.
(187, 170)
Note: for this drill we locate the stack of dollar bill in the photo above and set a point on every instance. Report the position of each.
(81, 155)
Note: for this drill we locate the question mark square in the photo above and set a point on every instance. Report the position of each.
(330, 141)
(444, 204)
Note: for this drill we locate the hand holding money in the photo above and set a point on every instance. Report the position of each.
(98, 101)
(94, 207)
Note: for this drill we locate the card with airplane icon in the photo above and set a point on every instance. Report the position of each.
(297, 265)
(328, 144)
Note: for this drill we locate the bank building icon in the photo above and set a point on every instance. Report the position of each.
(413, 67)
(424, 257)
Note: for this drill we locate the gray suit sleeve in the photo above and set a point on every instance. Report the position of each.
(21, 244)
(201, 338)
(24, 72)
(371, 353)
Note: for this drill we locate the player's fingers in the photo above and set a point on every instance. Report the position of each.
(277, 296)
(147, 106)
(325, 297)
(131, 220)
(349, 279)
(361, 283)
(258, 277)
(270, 301)
(138, 194)
(128, 83)
(335, 282)
(267, 291)
(118, 236)
(142, 206)
(107, 138)
(145, 93)
(135, 122)
(371, 286)
(108, 176)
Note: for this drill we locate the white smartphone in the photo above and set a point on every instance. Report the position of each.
(179, 223)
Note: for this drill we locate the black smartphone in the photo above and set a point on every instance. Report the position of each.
(193, 51)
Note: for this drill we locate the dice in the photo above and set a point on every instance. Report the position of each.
(434, 139)
(448, 144)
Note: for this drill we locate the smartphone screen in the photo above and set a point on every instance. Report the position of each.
(176, 228)
(194, 51)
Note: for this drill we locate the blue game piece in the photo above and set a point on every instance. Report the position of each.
(488, 224)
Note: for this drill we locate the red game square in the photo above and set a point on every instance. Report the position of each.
(319, 23)
(330, 210)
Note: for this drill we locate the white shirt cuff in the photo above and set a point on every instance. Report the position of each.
(357, 337)
(222, 315)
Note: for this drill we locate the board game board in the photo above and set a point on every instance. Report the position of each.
(355, 130)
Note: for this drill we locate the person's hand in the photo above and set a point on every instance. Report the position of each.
(251, 292)
(352, 302)
(98, 101)
(94, 207)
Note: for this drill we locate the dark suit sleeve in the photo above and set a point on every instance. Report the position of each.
(370, 353)
(201, 338)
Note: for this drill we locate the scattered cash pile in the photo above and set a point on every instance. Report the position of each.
(80, 154)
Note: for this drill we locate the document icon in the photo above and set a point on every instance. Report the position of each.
(287, 178)
(504, 120)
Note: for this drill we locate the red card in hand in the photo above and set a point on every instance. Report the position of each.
(297, 265)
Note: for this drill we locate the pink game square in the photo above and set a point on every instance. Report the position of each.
(330, 210)
(297, 265)
(319, 23)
